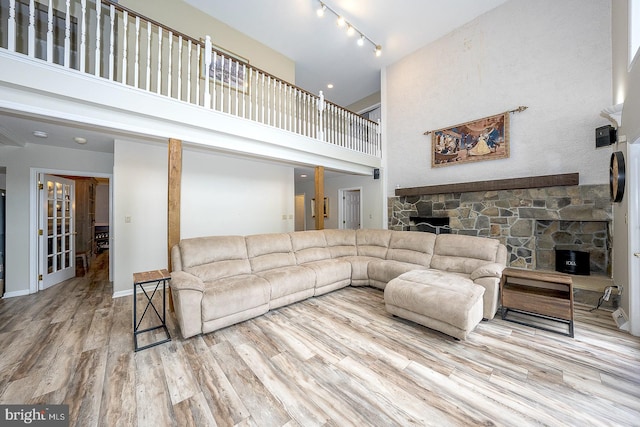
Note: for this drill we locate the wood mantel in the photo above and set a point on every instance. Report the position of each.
(494, 185)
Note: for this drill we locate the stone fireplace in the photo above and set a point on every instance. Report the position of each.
(530, 222)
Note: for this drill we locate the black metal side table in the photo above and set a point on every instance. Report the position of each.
(160, 277)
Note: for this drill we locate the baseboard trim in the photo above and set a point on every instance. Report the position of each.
(16, 293)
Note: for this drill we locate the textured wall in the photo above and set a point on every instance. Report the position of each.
(552, 56)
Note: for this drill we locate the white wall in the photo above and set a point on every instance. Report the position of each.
(220, 195)
(20, 163)
(224, 195)
(371, 199)
(554, 57)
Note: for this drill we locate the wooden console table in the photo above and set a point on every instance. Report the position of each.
(539, 294)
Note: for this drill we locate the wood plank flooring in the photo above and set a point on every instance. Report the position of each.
(335, 360)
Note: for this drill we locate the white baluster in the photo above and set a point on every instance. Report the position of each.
(170, 66)
(245, 89)
(98, 59)
(148, 64)
(189, 71)
(214, 66)
(180, 68)
(50, 32)
(198, 50)
(67, 35)
(83, 36)
(280, 105)
(262, 99)
(136, 61)
(159, 81)
(112, 12)
(11, 27)
(229, 63)
(238, 86)
(125, 45)
(207, 64)
(251, 93)
(32, 29)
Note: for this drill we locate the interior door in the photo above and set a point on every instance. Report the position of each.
(56, 231)
(351, 209)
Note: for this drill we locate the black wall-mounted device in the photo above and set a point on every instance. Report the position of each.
(605, 136)
(376, 173)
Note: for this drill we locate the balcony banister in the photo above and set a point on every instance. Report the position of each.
(116, 43)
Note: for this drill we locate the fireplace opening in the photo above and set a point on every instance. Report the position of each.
(436, 225)
(573, 262)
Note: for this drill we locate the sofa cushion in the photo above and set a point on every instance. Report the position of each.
(341, 242)
(382, 271)
(330, 274)
(288, 280)
(373, 243)
(412, 247)
(235, 294)
(216, 257)
(269, 251)
(309, 246)
(463, 254)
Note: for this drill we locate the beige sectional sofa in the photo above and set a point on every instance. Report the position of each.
(218, 281)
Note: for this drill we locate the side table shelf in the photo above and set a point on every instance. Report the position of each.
(160, 278)
(538, 295)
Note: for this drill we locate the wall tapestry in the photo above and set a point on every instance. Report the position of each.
(481, 139)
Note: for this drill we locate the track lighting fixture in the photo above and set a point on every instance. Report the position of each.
(351, 30)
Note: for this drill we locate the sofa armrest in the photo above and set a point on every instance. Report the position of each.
(187, 291)
(182, 281)
(488, 270)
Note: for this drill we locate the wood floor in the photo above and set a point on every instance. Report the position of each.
(335, 360)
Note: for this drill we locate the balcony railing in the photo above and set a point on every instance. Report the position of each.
(104, 39)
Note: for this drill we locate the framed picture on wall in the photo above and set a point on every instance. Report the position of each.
(481, 139)
(226, 68)
(325, 207)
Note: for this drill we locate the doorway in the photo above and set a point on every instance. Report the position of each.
(67, 236)
(350, 208)
(300, 213)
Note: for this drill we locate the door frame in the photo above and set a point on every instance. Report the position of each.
(341, 192)
(34, 211)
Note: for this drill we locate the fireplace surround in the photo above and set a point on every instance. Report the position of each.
(530, 222)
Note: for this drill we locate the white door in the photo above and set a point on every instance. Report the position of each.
(351, 209)
(56, 230)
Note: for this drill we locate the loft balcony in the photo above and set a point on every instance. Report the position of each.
(96, 63)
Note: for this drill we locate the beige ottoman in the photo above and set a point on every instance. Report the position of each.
(439, 300)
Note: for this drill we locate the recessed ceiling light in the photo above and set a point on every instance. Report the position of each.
(330, 85)
(40, 134)
(80, 140)
(303, 175)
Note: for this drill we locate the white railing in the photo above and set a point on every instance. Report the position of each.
(109, 41)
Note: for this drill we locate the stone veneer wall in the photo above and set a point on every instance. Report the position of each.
(512, 216)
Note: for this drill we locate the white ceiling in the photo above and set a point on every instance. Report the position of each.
(322, 51)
